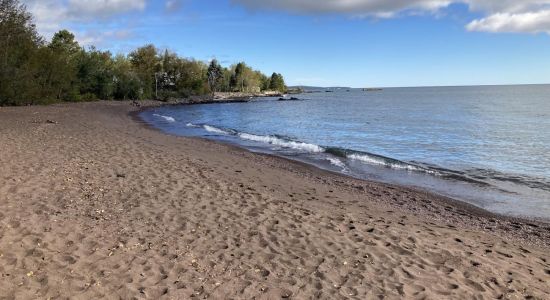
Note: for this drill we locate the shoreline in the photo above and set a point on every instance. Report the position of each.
(445, 200)
(461, 207)
(100, 204)
(222, 97)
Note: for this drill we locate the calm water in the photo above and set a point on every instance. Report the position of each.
(489, 146)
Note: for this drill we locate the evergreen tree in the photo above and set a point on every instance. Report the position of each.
(237, 80)
(277, 83)
(215, 76)
(63, 66)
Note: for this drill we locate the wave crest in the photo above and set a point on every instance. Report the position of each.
(273, 140)
(167, 118)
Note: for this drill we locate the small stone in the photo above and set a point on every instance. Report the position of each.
(286, 294)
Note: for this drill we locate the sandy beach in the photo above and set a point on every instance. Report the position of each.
(94, 203)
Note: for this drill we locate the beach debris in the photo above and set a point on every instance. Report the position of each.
(120, 175)
(30, 274)
(51, 122)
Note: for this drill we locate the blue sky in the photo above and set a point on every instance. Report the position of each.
(359, 43)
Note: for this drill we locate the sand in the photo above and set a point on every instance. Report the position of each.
(95, 204)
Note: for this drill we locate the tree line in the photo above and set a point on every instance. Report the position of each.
(33, 71)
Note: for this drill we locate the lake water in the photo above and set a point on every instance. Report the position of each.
(489, 145)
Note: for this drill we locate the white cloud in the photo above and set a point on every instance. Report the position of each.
(510, 6)
(89, 9)
(47, 14)
(99, 38)
(525, 16)
(78, 10)
(53, 15)
(353, 7)
(522, 16)
(528, 22)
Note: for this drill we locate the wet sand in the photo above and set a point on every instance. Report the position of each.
(95, 204)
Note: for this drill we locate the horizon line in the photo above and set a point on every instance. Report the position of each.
(418, 86)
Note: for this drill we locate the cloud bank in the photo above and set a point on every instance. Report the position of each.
(517, 16)
(353, 7)
(102, 8)
(53, 15)
(523, 16)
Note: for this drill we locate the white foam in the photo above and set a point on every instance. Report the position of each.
(214, 129)
(282, 143)
(337, 162)
(377, 161)
(367, 159)
(167, 118)
(381, 162)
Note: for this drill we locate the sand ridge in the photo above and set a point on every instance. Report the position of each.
(95, 205)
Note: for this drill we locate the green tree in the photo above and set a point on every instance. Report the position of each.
(63, 66)
(19, 43)
(96, 75)
(263, 80)
(32, 71)
(277, 83)
(127, 84)
(146, 64)
(63, 42)
(215, 75)
(192, 78)
(167, 76)
(244, 79)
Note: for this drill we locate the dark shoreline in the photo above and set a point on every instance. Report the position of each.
(452, 211)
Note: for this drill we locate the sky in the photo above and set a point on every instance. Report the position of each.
(357, 43)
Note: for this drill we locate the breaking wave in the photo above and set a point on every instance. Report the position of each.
(273, 140)
(347, 159)
(337, 154)
(166, 118)
(341, 157)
